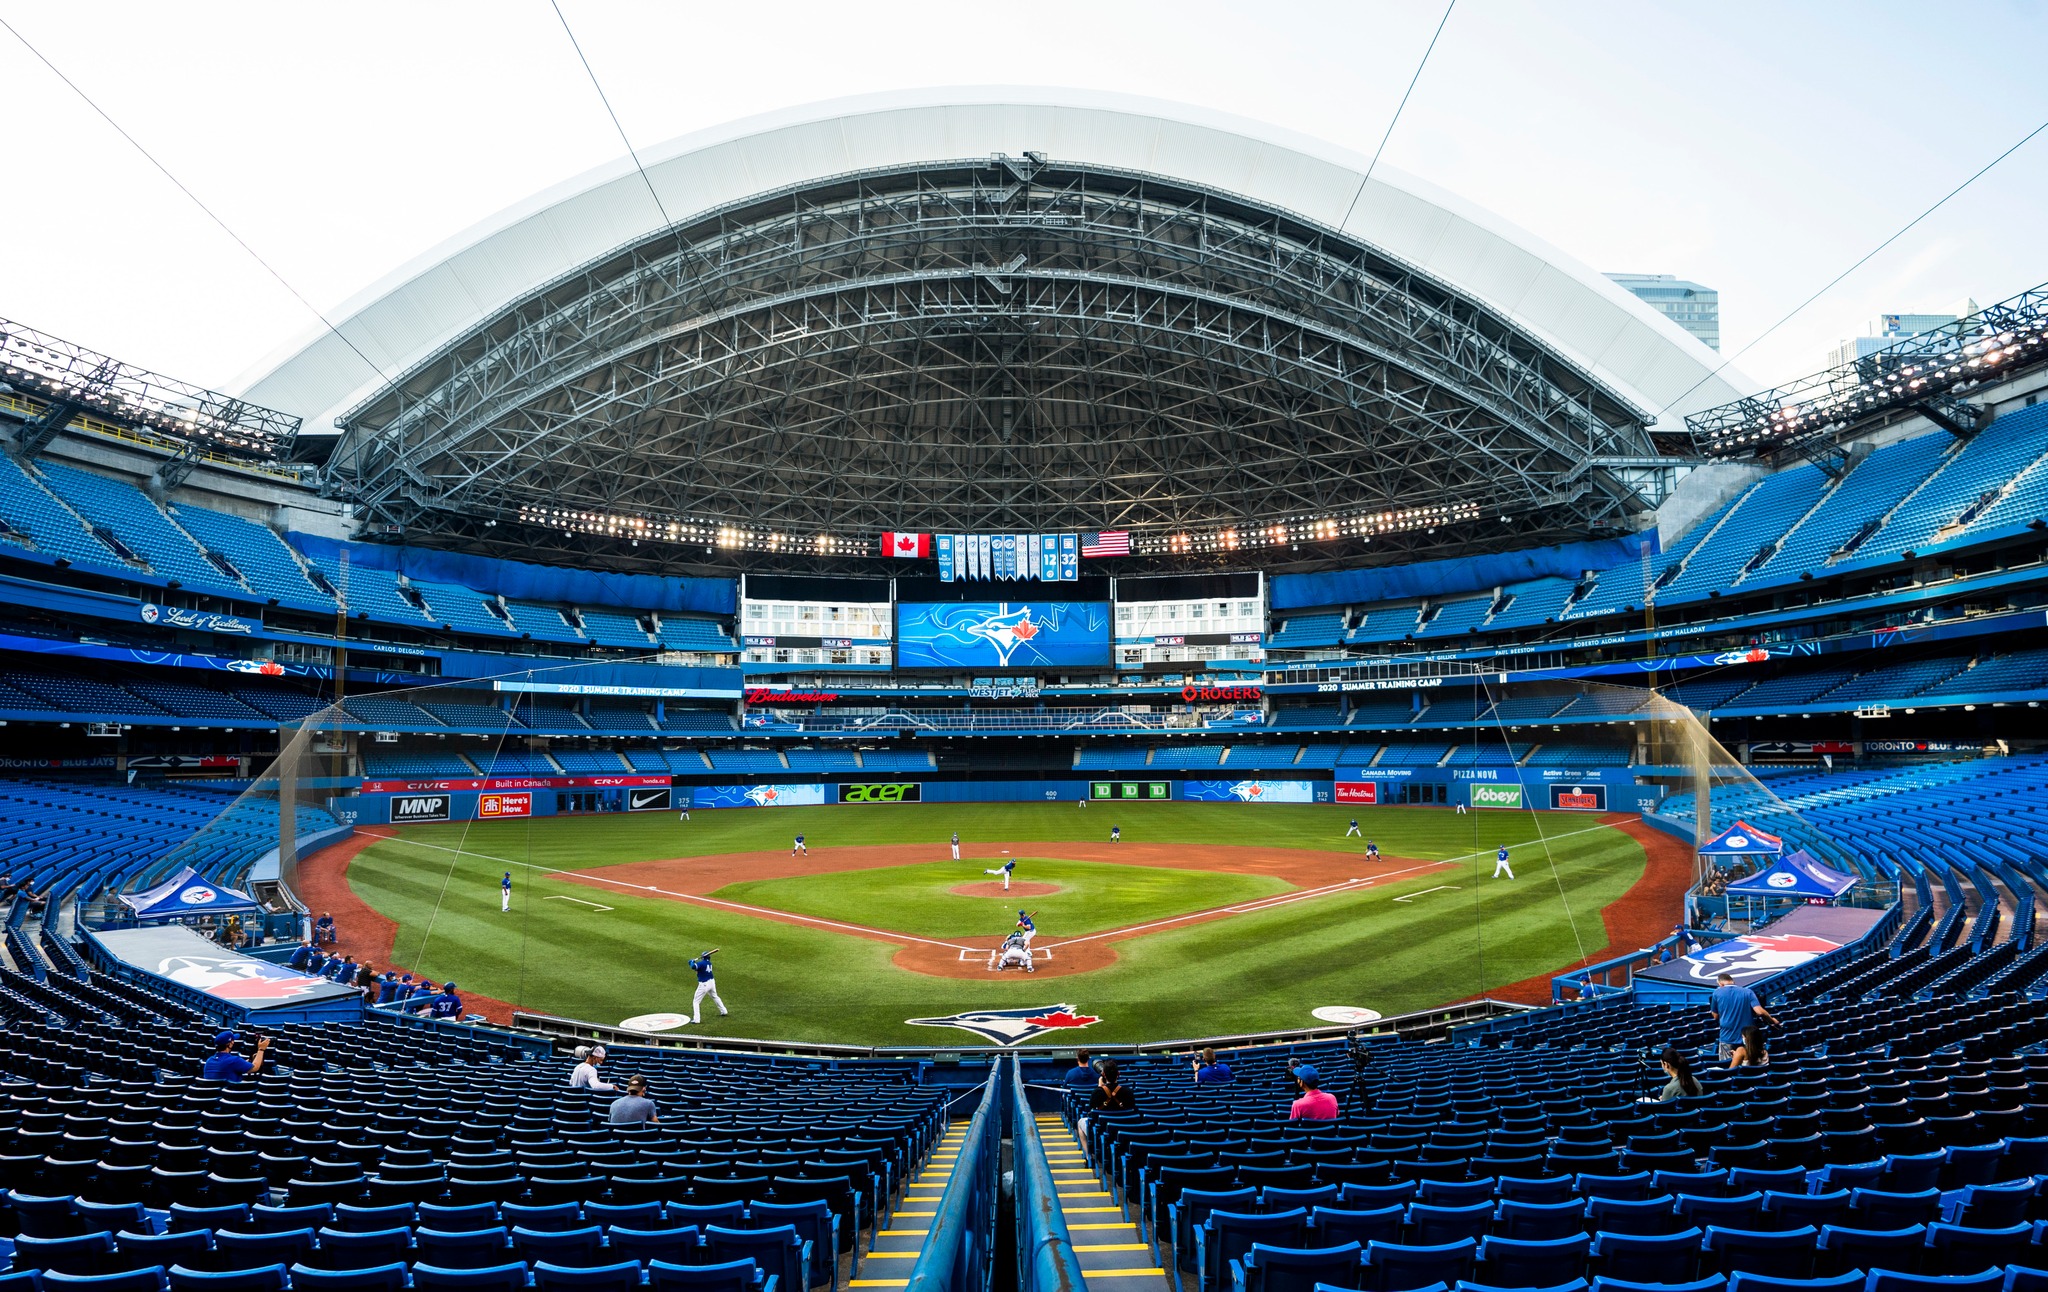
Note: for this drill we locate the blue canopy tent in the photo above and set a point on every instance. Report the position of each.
(187, 895)
(1797, 877)
(1742, 840)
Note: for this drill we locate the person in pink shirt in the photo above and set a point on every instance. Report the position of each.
(1315, 1104)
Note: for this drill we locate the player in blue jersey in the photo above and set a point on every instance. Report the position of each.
(1353, 832)
(1116, 834)
(1027, 928)
(1372, 851)
(505, 892)
(1004, 871)
(798, 849)
(707, 982)
(1500, 863)
(447, 1004)
(956, 846)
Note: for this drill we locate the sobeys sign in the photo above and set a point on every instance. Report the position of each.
(1497, 796)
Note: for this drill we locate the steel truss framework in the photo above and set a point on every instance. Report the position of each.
(1008, 345)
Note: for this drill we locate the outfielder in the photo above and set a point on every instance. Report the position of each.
(505, 892)
(1026, 928)
(1353, 831)
(1002, 870)
(798, 848)
(1013, 954)
(707, 984)
(1500, 863)
(956, 845)
(1116, 834)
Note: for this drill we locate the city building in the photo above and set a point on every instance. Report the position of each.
(1889, 329)
(1695, 308)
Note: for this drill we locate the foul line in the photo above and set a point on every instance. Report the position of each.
(558, 897)
(891, 935)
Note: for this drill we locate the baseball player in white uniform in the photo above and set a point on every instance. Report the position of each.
(1026, 928)
(1013, 954)
(1003, 871)
(1500, 863)
(505, 892)
(707, 985)
(956, 845)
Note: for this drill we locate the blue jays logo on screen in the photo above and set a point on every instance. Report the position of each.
(721, 796)
(1002, 634)
(1758, 955)
(1248, 791)
(1009, 1026)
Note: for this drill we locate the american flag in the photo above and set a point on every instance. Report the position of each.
(1110, 542)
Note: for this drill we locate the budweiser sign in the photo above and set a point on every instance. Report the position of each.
(766, 695)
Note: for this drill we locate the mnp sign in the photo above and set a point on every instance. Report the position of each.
(1496, 796)
(409, 808)
(891, 792)
(1579, 798)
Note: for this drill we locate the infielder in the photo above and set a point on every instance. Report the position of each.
(798, 848)
(1026, 928)
(1500, 863)
(1003, 870)
(1353, 831)
(707, 983)
(1013, 954)
(1116, 834)
(1372, 851)
(956, 845)
(505, 892)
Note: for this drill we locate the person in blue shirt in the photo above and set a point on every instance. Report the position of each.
(1734, 1009)
(707, 982)
(1211, 1071)
(1116, 834)
(1027, 928)
(323, 929)
(1500, 863)
(302, 956)
(1082, 1076)
(798, 848)
(447, 1004)
(1354, 831)
(505, 892)
(1005, 870)
(226, 1065)
(386, 984)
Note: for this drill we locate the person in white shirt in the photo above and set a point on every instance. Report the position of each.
(585, 1077)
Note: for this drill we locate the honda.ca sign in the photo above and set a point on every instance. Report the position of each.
(407, 809)
(647, 800)
(1358, 792)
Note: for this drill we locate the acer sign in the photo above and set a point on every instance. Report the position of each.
(766, 695)
(503, 805)
(892, 792)
(1225, 694)
(1358, 792)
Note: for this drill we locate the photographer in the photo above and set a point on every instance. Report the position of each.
(226, 1065)
(1209, 1071)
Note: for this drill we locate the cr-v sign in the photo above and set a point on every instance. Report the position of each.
(893, 792)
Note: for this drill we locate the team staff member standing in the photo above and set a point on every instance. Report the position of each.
(1735, 1008)
(707, 985)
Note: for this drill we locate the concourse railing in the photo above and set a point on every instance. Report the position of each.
(1045, 1252)
(959, 1252)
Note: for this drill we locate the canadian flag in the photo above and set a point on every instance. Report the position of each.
(908, 545)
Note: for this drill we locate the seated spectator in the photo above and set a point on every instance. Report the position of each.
(1679, 1069)
(1753, 1052)
(584, 1075)
(634, 1108)
(1082, 1075)
(323, 929)
(37, 901)
(226, 1065)
(1315, 1104)
(1110, 1095)
(8, 887)
(1209, 1071)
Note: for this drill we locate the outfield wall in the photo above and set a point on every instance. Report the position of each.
(1608, 789)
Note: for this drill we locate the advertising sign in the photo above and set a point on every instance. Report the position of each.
(1496, 796)
(890, 792)
(503, 805)
(1579, 798)
(1358, 792)
(647, 800)
(721, 796)
(1002, 634)
(409, 809)
(1248, 791)
(1130, 790)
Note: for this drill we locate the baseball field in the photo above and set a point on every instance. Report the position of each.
(1205, 919)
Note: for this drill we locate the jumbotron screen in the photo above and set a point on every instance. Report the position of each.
(1002, 634)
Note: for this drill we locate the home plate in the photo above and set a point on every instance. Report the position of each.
(668, 1022)
(1350, 1015)
(970, 955)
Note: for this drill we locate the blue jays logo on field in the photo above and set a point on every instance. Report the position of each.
(1756, 956)
(1005, 632)
(1009, 1026)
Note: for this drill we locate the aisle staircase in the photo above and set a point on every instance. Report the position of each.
(899, 1240)
(1111, 1250)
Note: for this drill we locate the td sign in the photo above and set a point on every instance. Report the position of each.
(1496, 796)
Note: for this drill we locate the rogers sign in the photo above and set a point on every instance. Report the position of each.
(764, 695)
(1198, 694)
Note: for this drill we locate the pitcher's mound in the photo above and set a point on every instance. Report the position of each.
(994, 888)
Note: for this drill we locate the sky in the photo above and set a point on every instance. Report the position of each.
(1759, 149)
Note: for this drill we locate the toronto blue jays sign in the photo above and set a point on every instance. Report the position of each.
(1002, 634)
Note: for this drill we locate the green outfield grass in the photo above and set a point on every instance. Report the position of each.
(918, 899)
(1255, 971)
